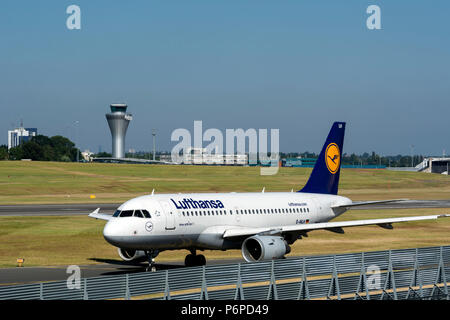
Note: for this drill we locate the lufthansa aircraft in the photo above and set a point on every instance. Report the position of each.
(263, 225)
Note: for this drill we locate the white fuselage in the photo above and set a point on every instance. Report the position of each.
(186, 221)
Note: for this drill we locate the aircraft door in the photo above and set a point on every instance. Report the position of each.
(169, 214)
(315, 208)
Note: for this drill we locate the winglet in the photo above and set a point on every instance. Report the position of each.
(96, 215)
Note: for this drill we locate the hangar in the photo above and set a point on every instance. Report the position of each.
(434, 165)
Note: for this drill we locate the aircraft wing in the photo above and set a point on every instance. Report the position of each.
(332, 226)
(365, 203)
(95, 214)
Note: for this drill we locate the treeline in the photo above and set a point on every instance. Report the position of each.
(59, 148)
(42, 148)
(367, 159)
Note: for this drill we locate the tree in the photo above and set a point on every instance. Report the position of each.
(43, 148)
(103, 155)
(33, 151)
(16, 153)
(3, 152)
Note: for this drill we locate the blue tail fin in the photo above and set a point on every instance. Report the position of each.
(325, 175)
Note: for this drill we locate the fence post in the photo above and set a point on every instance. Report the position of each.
(127, 289)
(416, 279)
(272, 293)
(204, 292)
(303, 293)
(167, 288)
(334, 284)
(440, 277)
(362, 283)
(85, 292)
(239, 294)
(390, 281)
(41, 291)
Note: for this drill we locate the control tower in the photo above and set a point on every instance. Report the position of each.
(118, 121)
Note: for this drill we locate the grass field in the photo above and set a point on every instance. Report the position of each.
(53, 182)
(78, 240)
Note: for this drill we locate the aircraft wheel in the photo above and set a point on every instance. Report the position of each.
(151, 269)
(189, 261)
(201, 260)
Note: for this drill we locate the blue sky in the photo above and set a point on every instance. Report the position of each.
(296, 66)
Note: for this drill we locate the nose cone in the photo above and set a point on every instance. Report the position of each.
(112, 232)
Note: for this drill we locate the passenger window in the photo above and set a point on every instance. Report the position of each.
(126, 213)
(116, 214)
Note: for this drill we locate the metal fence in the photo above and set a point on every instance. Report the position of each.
(395, 274)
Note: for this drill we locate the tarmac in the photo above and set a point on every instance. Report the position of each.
(85, 209)
(25, 275)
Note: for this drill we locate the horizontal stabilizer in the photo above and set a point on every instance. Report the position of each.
(366, 203)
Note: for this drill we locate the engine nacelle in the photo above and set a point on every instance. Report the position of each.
(259, 248)
(131, 255)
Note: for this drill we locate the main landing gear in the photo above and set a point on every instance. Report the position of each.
(193, 260)
(151, 255)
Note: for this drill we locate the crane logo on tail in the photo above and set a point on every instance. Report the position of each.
(332, 157)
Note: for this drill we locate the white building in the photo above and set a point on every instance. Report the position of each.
(20, 135)
(201, 156)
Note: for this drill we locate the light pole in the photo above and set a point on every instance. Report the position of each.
(154, 145)
(76, 139)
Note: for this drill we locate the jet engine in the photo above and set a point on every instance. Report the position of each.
(259, 248)
(132, 255)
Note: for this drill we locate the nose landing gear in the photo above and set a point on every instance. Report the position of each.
(151, 255)
(193, 260)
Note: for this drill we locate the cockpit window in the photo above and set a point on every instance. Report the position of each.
(126, 213)
(138, 213)
(131, 213)
(146, 214)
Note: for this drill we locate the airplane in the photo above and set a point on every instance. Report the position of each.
(262, 224)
